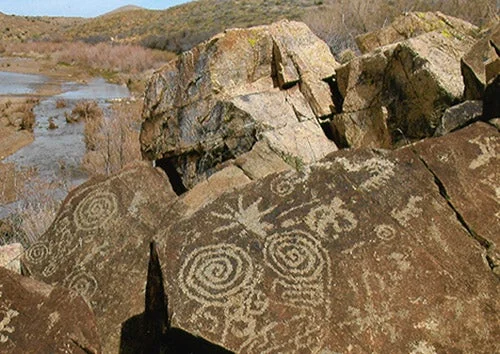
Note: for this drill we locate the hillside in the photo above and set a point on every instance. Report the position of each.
(180, 27)
(21, 28)
(125, 8)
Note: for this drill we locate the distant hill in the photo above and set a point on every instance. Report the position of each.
(183, 26)
(125, 8)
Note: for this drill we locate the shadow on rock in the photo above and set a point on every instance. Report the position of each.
(150, 332)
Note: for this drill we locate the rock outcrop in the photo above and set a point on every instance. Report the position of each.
(365, 251)
(414, 24)
(415, 80)
(98, 244)
(38, 318)
(216, 102)
(474, 64)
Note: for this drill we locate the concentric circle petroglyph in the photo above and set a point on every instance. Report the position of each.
(95, 210)
(84, 284)
(212, 274)
(385, 232)
(284, 185)
(37, 253)
(295, 255)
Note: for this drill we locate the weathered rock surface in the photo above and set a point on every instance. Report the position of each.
(467, 164)
(458, 116)
(10, 256)
(215, 102)
(360, 252)
(365, 128)
(7, 183)
(416, 80)
(414, 24)
(38, 318)
(98, 244)
(474, 64)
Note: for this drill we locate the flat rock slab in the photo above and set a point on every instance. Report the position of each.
(98, 244)
(358, 253)
(38, 318)
(10, 257)
(468, 165)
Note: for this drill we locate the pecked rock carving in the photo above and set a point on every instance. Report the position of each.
(39, 318)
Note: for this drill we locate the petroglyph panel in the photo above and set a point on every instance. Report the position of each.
(345, 246)
(97, 246)
(470, 175)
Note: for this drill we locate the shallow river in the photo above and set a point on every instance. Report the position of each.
(57, 153)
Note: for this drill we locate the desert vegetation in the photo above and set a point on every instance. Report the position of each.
(112, 140)
(19, 113)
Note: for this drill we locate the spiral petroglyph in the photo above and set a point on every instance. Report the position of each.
(284, 185)
(294, 255)
(213, 274)
(95, 210)
(37, 253)
(84, 284)
(385, 232)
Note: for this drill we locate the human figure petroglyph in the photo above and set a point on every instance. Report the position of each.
(488, 147)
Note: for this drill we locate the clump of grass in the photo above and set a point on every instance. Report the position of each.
(84, 110)
(20, 113)
(60, 104)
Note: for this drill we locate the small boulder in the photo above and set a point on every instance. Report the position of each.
(38, 318)
(458, 116)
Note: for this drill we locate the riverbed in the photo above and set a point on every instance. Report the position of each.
(56, 154)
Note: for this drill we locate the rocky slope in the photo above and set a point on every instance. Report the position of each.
(279, 240)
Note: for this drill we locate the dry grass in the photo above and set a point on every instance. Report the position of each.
(100, 57)
(19, 113)
(84, 110)
(34, 212)
(113, 141)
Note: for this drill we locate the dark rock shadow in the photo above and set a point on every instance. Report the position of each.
(175, 341)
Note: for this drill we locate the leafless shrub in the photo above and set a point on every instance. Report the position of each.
(113, 142)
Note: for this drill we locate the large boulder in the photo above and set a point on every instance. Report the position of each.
(38, 318)
(470, 157)
(415, 80)
(414, 24)
(215, 102)
(361, 252)
(98, 244)
(474, 64)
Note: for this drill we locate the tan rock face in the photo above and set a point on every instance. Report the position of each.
(39, 318)
(215, 102)
(10, 256)
(416, 80)
(98, 244)
(474, 62)
(360, 252)
(414, 24)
